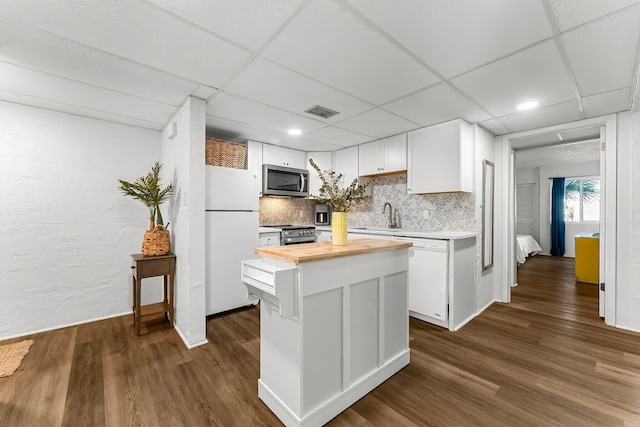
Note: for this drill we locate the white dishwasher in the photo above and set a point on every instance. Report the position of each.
(428, 279)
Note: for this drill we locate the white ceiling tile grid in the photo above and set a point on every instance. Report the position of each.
(386, 67)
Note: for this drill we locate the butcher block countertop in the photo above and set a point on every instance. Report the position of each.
(308, 252)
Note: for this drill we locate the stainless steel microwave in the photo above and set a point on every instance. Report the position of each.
(284, 181)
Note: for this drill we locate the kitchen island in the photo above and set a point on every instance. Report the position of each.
(333, 324)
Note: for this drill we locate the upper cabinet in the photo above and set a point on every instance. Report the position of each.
(384, 156)
(440, 158)
(323, 160)
(345, 161)
(274, 155)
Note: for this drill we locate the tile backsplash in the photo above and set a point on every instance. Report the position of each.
(281, 210)
(449, 211)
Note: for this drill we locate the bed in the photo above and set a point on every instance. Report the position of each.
(526, 246)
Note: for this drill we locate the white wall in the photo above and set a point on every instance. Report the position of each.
(66, 232)
(487, 287)
(628, 224)
(567, 170)
(183, 166)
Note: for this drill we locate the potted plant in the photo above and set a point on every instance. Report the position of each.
(147, 189)
(341, 200)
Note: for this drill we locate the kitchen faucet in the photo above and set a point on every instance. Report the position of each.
(393, 222)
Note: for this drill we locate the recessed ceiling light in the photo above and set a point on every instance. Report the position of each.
(527, 105)
(295, 132)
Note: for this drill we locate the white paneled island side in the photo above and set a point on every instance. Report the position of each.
(334, 324)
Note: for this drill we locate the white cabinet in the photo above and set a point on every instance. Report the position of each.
(323, 160)
(270, 239)
(384, 156)
(440, 158)
(274, 155)
(346, 161)
(254, 161)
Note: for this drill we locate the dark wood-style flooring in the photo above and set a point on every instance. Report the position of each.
(545, 359)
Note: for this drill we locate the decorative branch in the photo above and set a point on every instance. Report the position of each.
(334, 194)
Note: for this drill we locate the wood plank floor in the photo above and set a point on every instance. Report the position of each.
(546, 359)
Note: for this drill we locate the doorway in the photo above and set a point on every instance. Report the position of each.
(606, 128)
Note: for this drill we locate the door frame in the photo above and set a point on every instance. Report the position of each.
(505, 193)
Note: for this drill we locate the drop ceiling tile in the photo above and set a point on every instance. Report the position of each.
(543, 117)
(495, 126)
(572, 13)
(136, 31)
(244, 110)
(331, 43)
(336, 136)
(457, 36)
(607, 103)
(580, 134)
(45, 86)
(612, 40)
(48, 104)
(537, 73)
(558, 155)
(249, 23)
(437, 104)
(275, 85)
(307, 144)
(378, 123)
(228, 128)
(42, 51)
(218, 126)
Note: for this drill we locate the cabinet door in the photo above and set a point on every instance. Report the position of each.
(323, 160)
(345, 161)
(394, 153)
(369, 160)
(254, 161)
(428, 288)
(274, 155)
(440, 159)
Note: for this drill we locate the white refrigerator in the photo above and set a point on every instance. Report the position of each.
(231, 235)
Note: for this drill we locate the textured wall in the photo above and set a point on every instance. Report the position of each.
(628, 233)
(487, 288)
(183, 159)
(66, 232)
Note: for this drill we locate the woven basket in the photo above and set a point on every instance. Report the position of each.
(224, 153)
(156, 242)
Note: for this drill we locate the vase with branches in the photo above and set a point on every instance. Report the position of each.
(340, 198)
(150, 192)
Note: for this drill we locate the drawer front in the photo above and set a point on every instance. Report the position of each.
(151, 268)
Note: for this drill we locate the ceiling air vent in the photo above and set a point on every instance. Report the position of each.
(320, 111)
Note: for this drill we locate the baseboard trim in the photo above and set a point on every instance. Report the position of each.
(186, 341)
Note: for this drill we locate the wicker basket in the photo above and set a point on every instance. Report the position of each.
(156, 242)
(224, 153)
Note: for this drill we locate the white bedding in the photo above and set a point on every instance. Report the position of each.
(526, 246)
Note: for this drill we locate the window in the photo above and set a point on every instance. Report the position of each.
(582, 199)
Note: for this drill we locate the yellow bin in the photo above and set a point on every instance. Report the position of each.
(588, 257)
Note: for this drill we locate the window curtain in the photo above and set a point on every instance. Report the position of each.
(557, 217)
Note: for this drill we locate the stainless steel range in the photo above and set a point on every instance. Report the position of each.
(294, 234)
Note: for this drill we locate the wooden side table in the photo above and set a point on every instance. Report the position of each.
(151, 266)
